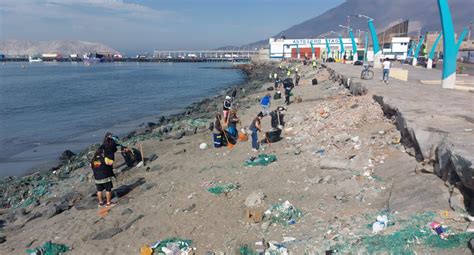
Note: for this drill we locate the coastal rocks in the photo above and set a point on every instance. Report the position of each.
(67, 155)
(87, 203)
(107, 234)
(255, 199)
(56, 209)
(329, 163)
(131, 222)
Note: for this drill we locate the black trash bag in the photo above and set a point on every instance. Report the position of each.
(314, 81)
(277, 95)
(273, 135)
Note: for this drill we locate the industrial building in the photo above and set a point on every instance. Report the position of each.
(303, 48)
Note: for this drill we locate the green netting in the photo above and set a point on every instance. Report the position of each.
(198, 122)
(261, 160)
(49, 248)
(180, 243)
(414, 233)
(225, 188)
(281, 214)
(245, 250)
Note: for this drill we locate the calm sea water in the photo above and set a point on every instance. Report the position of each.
(46, 108)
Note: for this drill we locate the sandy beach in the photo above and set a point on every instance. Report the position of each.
(341, 163)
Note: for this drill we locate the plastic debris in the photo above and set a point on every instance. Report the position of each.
(284, 214)
(225, 188)
(415, 233)
(171, 246)
(49, 248)
(261, 160)
(380, 224)
(203, 146)
(436, 228)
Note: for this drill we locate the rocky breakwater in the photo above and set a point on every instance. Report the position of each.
(448, 154)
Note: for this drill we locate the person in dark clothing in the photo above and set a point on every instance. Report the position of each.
(232, 127)
(109, 146)
(131, 156)
(103, 175)
(256, 127)
(288, 86)
(277, 83)
(297, 79)
(277, 116)
(226, 107)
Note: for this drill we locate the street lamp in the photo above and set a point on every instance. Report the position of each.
(375, 40)
(340, 43)
(354, 46)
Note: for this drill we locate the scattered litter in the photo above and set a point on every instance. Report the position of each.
(414, 233)
(225, 188)
(169, 246)
(261, 160)
(380, 224)
(254, 215)
(438, 229)
(284, 214)
(254, 199)
(203, 146)
(49, 248)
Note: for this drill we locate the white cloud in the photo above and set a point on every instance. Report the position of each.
(74, 8)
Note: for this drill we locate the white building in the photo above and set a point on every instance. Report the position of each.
(397, 49)
(301, 48)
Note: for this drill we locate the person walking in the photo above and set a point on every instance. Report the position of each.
(297, 79)
(288, 86)
(386, 70)
(255, 127)
(103, 175)
(265, 103)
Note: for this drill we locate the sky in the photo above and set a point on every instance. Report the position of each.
(146, 25)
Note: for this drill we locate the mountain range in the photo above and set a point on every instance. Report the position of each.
(64, 47)
(423, 16)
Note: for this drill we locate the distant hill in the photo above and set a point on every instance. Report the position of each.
(422, 14)
(19, 47)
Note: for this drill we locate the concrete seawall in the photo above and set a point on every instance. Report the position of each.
(436, 124)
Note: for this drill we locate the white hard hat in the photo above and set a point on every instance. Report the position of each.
(228, 97)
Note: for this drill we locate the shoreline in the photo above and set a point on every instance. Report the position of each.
(136, 126)
(164, 128)
(341, 163)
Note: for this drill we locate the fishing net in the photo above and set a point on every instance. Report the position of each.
(49, 248)
(413, 233)
(283, 214)
(225, 188)
(245, 250)
(175, 244)
(261, 160)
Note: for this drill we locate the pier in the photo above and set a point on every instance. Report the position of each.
(204, 55)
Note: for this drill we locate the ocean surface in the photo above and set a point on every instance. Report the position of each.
(46, 108)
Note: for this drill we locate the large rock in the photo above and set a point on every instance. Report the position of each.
(255, 199)
(451, 166)
(107, 234)
(331, 163)
(67, 155)
(56, 209)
